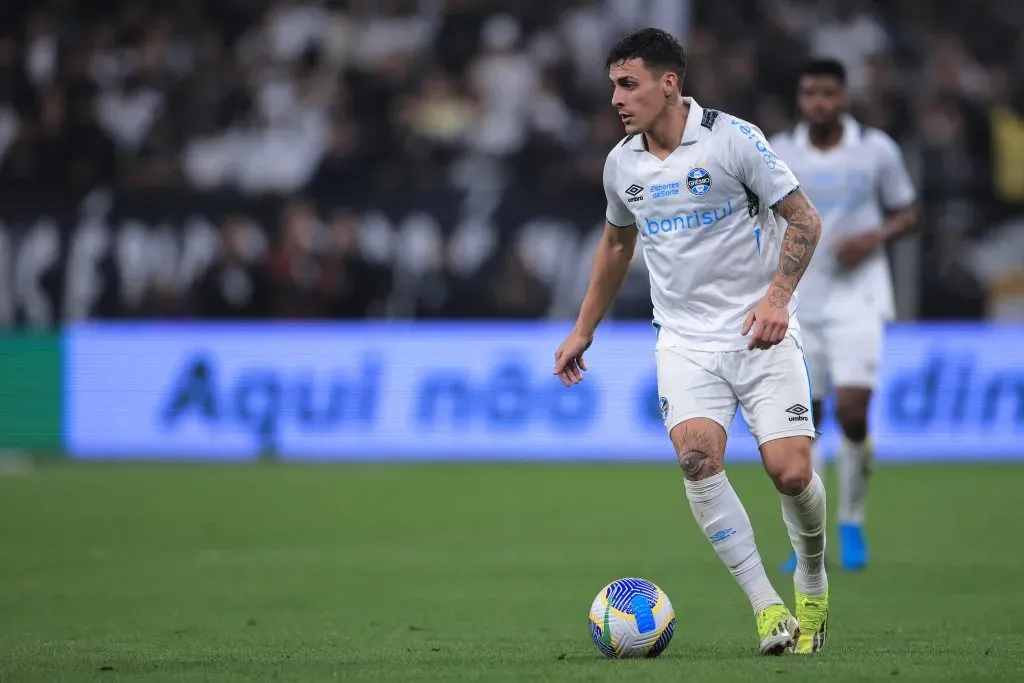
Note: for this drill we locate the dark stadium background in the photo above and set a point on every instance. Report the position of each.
(277, 188)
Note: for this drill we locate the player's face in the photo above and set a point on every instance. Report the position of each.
(822, 99)
(638, 94)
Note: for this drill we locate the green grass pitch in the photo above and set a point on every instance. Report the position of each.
(475, 573)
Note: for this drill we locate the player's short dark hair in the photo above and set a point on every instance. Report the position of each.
(658, 49)
(825, 67)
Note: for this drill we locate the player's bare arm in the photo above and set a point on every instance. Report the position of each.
(608, 272)
(769, 321)
(853, 250)
(798, 244)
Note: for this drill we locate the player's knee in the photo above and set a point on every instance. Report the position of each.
(853, 419)
(792, 472)
(697, 465)
(793, 479)
(855, 430)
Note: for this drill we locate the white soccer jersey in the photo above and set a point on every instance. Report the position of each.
(852, 185)
(710, 239)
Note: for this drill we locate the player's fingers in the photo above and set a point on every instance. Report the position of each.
(563, 361)
(583, 363)
(755, 337)
(559, 354)
(748, 323)
(574, 373)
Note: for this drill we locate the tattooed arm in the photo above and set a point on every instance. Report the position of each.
(759, 168)
(798, 245)
(769, 320)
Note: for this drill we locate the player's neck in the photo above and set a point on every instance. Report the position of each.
(826, 137)
(667, 132)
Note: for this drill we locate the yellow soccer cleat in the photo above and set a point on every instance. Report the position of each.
(812, 613)
(778, 630)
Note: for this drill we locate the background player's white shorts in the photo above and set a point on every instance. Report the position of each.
(843, 353)
(770, 386)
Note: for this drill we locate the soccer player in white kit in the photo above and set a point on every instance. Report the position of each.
(700, 188)
(858, 181)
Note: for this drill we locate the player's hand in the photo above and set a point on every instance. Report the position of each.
(569, 363)
(851, 251)
(768, 323)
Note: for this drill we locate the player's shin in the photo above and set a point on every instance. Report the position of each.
(805, 518)
(725, 523)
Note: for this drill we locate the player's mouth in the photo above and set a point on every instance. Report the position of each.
(626, 118)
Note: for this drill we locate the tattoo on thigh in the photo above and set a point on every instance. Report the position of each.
(698, 465)
(700, 454)
(697, 440)
(691, 463)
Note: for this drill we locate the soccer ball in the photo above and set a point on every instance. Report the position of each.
(632, 618)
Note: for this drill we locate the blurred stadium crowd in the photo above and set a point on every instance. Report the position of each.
(339, 110)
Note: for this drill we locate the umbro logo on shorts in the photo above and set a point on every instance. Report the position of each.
(798, 412)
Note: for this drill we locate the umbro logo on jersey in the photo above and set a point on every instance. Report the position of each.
(798, 412)
(634, 191)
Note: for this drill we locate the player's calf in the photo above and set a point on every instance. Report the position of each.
(803, 500)
(700, 446)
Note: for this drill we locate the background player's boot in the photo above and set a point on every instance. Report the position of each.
(789, 566)
(852, 546)
(778, 630)
(812, 613)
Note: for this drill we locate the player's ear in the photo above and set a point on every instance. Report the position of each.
(669, 84)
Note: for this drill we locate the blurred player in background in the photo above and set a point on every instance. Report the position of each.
(701, 189)
(858, 181)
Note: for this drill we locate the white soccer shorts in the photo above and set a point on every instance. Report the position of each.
(843, 353)
(770, 386)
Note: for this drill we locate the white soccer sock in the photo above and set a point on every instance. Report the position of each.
(853, 469)
(805, 518)
(721, 515)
